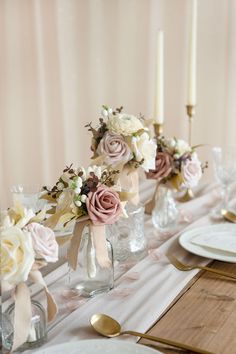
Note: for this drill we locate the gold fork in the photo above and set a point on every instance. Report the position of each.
(186, 267)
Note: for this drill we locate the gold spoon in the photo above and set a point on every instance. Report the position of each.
(228, 215)
(108, 327)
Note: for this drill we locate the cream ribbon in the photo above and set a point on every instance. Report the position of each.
(23, 315)
(129, 181)
(52, 309)
(99, 239)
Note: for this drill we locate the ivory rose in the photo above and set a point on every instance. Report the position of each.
(44, 242)
(17, 255)
(144, 149)
(191, 172)
(163, 168)
(103, 206)
(114, 148)
(125, 124)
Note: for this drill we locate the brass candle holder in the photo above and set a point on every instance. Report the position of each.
(188, 195)
(158, 129)
(191, 113)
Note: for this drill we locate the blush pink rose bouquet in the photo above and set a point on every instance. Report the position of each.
(83, 194)
(122, 140)
(177, 164)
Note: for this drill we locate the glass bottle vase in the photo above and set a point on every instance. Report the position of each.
(91, 277)
(38, 327)
(128, 237)
(165, 212)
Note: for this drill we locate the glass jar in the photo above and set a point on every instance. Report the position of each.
(37, 335)
(92, 278)
(128, 237)
(165, 212)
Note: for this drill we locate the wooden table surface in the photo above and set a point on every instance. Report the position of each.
(204, 315)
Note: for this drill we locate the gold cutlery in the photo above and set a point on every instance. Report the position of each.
(109, 327)
(228, 215)
(186, 267)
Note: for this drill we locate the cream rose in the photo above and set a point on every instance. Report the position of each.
(17, 255)
(144, 149)
(114, 148)
(125, 124)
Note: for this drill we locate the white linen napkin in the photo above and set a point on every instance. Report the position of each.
(222, 240)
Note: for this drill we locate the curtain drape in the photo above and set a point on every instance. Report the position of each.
(60, 60)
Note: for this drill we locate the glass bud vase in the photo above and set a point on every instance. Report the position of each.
(38, 328)
(165, 212)
(92, 278)
(128, 237)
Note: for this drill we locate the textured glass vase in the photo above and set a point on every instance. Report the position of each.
(128, 237)
(37, 334)
(165, 212)
(91, 278)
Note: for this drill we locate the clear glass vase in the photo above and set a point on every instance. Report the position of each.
(92, 278)
(165, 212)
(38, 328)
(128, 237)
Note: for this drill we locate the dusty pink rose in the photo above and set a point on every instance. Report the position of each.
(163, 168)
(114, 148)
(191, 172)
(103, 206)
(44, 242)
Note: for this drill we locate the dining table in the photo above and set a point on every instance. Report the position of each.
(151, 295)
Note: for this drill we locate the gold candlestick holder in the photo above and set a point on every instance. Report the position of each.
(188, 195)
(158, 129)
(191, 113)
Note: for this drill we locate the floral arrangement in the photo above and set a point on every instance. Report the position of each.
(176, 164)
(25, 244)
(122, 139)
(85, 193)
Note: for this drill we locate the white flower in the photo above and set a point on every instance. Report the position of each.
(125, 124)
(182, 147)
(77, 190)
(26, 216)
(66, 177)
(83, 198)
(78, 181)
(60, 186)
(84, 176)
(78, 203)
(104, 113)
(5, 221)
(144, 148)
(17, 255)
(97, 170)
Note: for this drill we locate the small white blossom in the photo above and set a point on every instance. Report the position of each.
(83, 198)
(78, 203)
(110, 110)
(60, 186)
(77, 190)
(104, 113)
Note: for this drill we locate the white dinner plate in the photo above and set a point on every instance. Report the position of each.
(98, 346)
(187, 237)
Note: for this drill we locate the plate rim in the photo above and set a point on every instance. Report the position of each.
(122, 342)
(212, 255)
